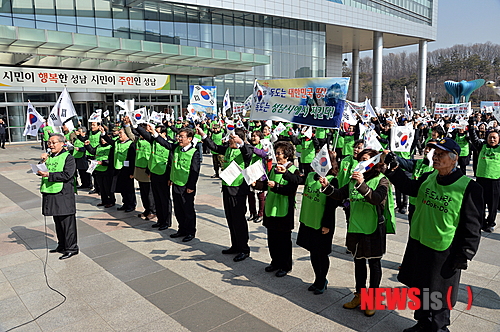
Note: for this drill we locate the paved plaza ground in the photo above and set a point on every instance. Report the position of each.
(131, 277)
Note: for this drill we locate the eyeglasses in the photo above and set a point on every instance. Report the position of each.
(52, 143)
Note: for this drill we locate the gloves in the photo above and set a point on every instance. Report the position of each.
(471, 121)
(390, 158)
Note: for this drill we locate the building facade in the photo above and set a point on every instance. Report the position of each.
(226, 43)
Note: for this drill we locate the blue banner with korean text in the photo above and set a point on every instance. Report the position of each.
(317, 101)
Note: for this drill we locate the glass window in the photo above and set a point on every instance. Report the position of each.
(85, 21)
(102, 8)
(5, 6)
(136, 20)
(46, 25)
(24, 23)
(65, 11)
(104, 32)
(86, 30)
(22, 6)
(66, 27)
(217, 30)
(249, 36)
(84, 8)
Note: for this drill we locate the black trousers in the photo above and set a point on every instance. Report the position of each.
(105, 180)
(66, 233)
(97, 188)
(491, 192)
(411, 211)
(463, 162)
(216, 162)
(85, 179)
(2, 140)
(320, 263)
(360, 272)
(163, 202)
(184, 210)
(147, 199)
(127, 190)
(305, 168)
(235, 208)
(280, 248)
(434, 320)
(401, 200)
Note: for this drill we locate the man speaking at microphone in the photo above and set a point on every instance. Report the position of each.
(58, 195)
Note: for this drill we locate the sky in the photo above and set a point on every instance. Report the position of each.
(460, 22)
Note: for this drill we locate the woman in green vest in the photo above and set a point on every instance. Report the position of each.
(259, 156)
(462, 138)
(317, 224)
(488, 173)
(103, 172)
(279, 210)
(444, 234)
(366, 233)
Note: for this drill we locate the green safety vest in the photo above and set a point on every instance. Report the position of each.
(321, 133)
(345, 170)
(307, 151)
(404, 155)
(67, 136)
(178, 125)
(47, 130)
(121, 151)
(229, 156)
(420, 168)
(181, 165)
(384, 136)
(158, 161)
(94, 139)
(78, 144)
(255, 157)
(348, 149)
(277, 204)
(143, 153)
(488, 164)
(217, 138)
(340, 140)
(102, 153)
(54, 164)
(170, 133)
(463, 144)
(364, 216)
(313, 202)
(437, 212)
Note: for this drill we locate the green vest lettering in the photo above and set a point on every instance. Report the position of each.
(54, 164)
(102, 153)
(488, 164)
(437, 212)
(364, 217)
(181, 165)
(313, 202)
(157, 163)
(143, 153)
(277, 204)
(78, 144)
(229, 156)
(463, 143)
(121, 151)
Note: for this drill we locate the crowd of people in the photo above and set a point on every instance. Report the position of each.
(446, 208)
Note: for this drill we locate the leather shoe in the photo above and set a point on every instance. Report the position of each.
(121, 208)
(176, 235)
(93, 192)
(162, 228)
(52, 251)
(257, 220)
(188, 238)
(129, 210)
(281, 273)
(109, 205)
(229, 251)
(68, 255)
(101, 204)
(270, 268)
(241, 257)
(252, 217)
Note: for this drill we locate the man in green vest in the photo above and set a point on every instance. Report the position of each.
(184, 174)
(234, 195)
(80, 155)
(488, 173)
(159, 168)
(46, 131)
(216, 134)
(444, 233)
(58, 195)
(94, 140)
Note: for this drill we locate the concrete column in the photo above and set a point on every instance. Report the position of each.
(378, 46)
(355, 75)
(422, 72)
